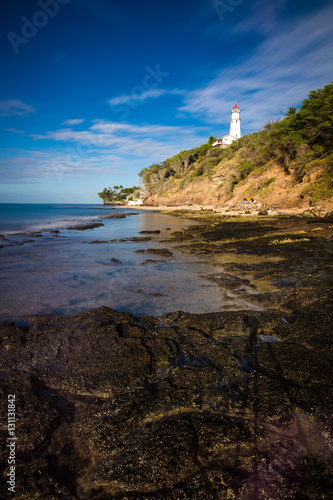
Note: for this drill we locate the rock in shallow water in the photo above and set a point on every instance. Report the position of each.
(186, 406)
(163, 252)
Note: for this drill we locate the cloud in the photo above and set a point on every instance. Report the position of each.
(291, 61)
(15, 131)
(28, 167)
(149, 130)
(138, 98)
(71, 123)
(107, 148)
(152, 142)
(15, 107)
(264, 18)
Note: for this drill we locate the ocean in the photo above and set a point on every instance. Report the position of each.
(50, 264)
(16, 217)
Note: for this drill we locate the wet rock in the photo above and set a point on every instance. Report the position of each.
(37, 235)
(22, 242)
(150, 232)
(183, 406)
(115, 261)
(83, 227)
(163, 252)
(153, 261)
(115, 216)
(139, 238)
(97, 242)
(227, 280)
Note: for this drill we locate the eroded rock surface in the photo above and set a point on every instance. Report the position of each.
(184, 406)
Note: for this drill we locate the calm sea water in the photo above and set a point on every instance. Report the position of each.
(20, 217)
(45, 267)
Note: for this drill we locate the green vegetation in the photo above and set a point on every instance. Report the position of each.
(300, 144)
(161, 175)
(118, 193)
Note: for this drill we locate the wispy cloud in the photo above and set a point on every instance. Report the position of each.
(107, 148)
(138, 97)
(71, 123)
(14, 131)
(15, 107)
(41, 166)
(264, 17)
(294, 59)
(153, 142)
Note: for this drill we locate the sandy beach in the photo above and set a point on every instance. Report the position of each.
(253, 209)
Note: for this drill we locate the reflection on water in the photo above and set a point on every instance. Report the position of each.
(66, 273)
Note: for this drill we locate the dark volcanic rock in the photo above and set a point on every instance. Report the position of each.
(227, 280)
(83, 227)
(96, 242)
(150, 232)
(115, 261)
(163, 252)
(181, 407)
(231, 405)
(139, 238)
(152, 261)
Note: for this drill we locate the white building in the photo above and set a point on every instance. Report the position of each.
(135, 202)
(235, 131)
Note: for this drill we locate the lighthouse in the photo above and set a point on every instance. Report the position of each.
(235, 131)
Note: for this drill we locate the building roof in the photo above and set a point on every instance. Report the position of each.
(219, 141)
(236, 106)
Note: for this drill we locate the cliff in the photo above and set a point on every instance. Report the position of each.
(287, 164)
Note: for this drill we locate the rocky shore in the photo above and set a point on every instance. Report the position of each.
(226, 405)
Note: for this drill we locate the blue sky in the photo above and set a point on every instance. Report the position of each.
(92, 92)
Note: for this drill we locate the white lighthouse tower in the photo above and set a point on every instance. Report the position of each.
(235, 131)
(235, 122)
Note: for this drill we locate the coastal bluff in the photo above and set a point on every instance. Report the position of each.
(286, 164)
(184, 406)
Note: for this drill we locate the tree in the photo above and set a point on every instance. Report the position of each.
(291, 111)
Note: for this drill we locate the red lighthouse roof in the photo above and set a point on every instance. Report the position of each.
(236, 106)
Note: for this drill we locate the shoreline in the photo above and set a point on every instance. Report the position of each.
(192, 406)
(219, 210)
(116, 265)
